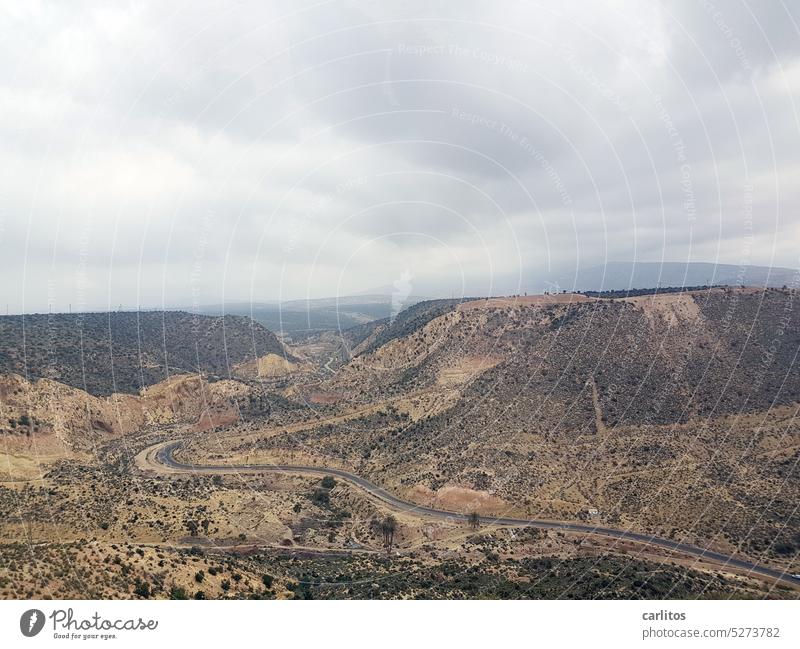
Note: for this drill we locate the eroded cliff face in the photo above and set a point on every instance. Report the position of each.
(42, 421)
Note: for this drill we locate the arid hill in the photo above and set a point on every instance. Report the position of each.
(44, 421)
(544, 362)
(104, 353)
(673, 413)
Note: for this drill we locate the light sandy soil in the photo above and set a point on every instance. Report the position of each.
(459, 499)
(672, 308)
(271, 366)
(23, 458)
(466, 368)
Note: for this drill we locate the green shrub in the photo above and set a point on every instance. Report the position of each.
(178, 592)
(142, 589)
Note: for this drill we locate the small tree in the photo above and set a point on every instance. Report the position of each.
(388, 528)
(321, 497)
(328, 482)
(474, 520)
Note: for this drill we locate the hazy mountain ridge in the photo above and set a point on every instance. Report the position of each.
(299, 319)
(622, 275)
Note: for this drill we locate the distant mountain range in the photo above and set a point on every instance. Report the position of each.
(622, 275)
(298, 318)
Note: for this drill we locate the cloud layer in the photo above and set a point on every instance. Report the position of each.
(224, 151)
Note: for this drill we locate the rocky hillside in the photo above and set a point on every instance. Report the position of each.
(104, 353)
(673, 413)
(406, 322)
(571, 363)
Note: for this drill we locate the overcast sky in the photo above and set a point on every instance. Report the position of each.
(192, 153)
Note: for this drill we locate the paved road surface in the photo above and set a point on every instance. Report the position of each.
(164, 455)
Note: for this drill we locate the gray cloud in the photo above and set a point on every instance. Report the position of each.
(216, 151)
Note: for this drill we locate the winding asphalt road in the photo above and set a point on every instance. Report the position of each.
(163, 453)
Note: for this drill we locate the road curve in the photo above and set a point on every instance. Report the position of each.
(163, 454)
